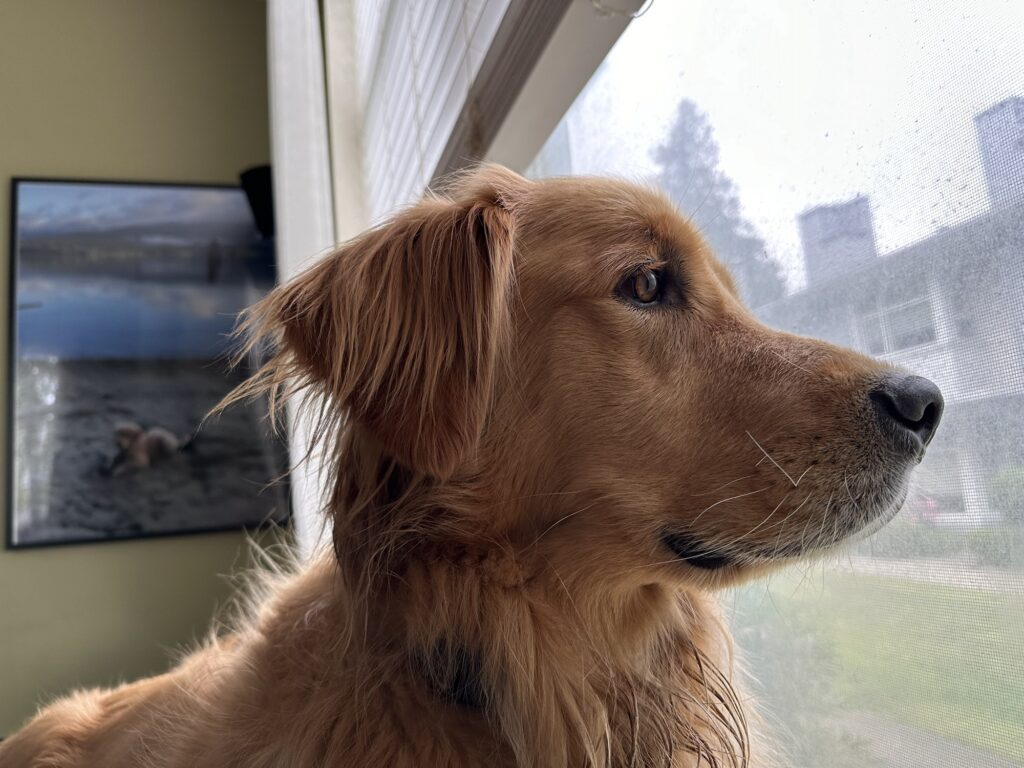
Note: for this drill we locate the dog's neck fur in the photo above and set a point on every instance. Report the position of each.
(498, 638)
(531, 664)
(584, 679)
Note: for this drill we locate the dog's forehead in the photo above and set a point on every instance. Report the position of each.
(608, 223)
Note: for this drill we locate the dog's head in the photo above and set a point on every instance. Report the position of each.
(567, 368)
(126, 433)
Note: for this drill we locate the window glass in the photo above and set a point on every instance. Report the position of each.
(860, 168)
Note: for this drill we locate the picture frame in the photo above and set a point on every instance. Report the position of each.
(122, 299)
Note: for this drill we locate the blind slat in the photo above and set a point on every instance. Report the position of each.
(416, 65)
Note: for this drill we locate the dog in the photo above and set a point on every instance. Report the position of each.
(139, 448)
(552, 432)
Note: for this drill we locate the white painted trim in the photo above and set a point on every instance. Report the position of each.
(302, 191)
(344, 120)
(579, 45)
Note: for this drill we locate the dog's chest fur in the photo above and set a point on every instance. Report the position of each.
(426, 691)
(303, 687)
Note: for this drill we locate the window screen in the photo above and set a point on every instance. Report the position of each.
(860, 167)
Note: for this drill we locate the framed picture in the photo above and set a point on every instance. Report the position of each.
(123, 298)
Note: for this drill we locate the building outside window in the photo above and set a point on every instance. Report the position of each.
(902, 326)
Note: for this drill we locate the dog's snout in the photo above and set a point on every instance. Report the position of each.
(908, 406)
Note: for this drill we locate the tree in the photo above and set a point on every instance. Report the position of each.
(689, 173)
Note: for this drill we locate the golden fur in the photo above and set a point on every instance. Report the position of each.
(511, 441)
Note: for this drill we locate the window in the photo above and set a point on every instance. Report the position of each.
(898, 327)
(416, 63)
(860, 167)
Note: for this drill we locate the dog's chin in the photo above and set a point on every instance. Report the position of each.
(876, 523)
(853, 524)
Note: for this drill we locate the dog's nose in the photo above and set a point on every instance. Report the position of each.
(908, 406)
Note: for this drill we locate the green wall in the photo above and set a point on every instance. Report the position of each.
(130, 89)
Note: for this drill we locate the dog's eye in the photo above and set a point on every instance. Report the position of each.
(643, 286)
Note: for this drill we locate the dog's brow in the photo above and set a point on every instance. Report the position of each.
(669, 252)
(635, 262)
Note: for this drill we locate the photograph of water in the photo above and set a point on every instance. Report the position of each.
(123, 301)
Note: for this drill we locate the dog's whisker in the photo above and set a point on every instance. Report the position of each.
(728, 546)
(820, 537)
(766, 519)
(790, 362)
(731, 498)
(849, 493)
(562, 519)
(802, 476)
(724, 485)
(773, 461)
(802, 543)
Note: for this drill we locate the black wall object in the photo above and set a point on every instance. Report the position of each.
(259, 189)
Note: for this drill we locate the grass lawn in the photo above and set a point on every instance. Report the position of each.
(940, 658)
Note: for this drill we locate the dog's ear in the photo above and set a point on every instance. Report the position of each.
(402, 326)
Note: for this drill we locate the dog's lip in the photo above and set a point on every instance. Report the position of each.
(693, 551)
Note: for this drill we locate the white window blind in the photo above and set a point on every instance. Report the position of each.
(416, 63)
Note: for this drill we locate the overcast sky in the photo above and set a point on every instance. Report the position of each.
(68, 207)
(814, 102)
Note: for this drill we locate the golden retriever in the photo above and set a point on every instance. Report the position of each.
(140, 448)
(552, 431)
